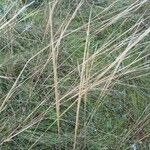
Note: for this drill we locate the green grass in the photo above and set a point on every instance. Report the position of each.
(99, 97)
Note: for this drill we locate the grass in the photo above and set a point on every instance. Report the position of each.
(74, 75)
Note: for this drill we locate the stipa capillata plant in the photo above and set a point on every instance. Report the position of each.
(74, 75)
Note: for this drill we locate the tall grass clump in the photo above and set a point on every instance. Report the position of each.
(74, 75)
